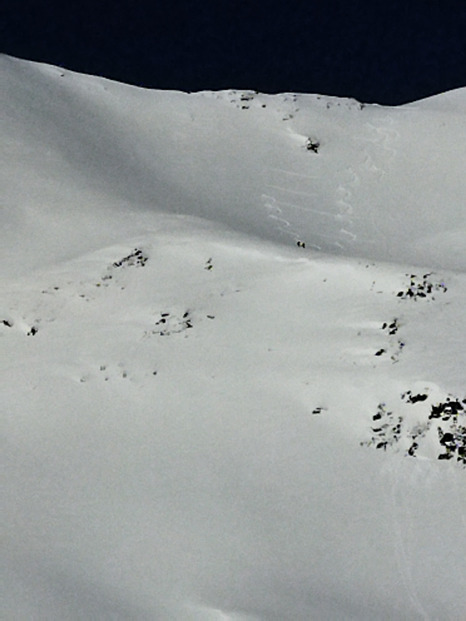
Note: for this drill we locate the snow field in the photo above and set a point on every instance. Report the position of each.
(202, 418)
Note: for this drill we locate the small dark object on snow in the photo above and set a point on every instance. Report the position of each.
(312, 145)
(417, 398)
(454, 407)
(445, 456)
(447, 439)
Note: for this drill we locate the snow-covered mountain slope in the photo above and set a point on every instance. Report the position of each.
(202, 419)
(345, 178)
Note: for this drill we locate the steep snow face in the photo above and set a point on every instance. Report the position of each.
(354, 180)
(217, 401)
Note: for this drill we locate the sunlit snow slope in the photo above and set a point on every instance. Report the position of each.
(384, 183)
(232, 353)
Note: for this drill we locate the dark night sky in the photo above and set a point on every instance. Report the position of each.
(386, 52)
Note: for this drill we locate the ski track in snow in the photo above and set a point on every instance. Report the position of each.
(379, 147)
(400, 546)
(461, 513)
(275, 212)
(297, 208)
(292, 216)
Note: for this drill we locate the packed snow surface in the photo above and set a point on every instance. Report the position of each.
(232, 335)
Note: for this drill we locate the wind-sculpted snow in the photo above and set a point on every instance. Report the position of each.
(218, 400)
